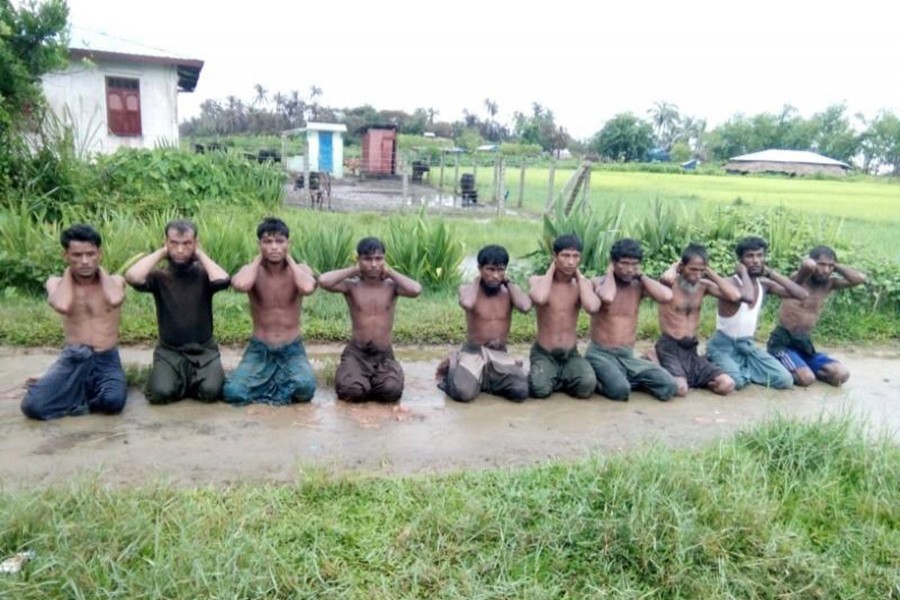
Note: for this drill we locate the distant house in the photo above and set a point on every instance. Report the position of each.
(117, 93)
(789, 162)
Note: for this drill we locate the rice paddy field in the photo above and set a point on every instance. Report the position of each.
(869, 208)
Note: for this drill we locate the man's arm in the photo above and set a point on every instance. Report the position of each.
(746, 288)
(605, 287)
(303, 277)
(213, 271)
(468, 294)
(520, 299)
(336, 281)
(670, 275)
(60, 292)
(807, 268)
(589, 299)
(657, 291)
(540, 286)
(245, 278)
(849, 277)
(407, 287)
(782, 286)
(113, 287)
(720, 287)
(137, 274)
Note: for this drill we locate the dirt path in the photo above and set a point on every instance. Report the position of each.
(192, 443)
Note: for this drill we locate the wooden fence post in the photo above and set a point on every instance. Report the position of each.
(441, 184)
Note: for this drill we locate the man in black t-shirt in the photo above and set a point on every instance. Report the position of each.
(186, 360)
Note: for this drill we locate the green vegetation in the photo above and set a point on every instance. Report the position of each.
(806, 510)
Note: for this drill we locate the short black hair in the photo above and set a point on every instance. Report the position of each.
(180, 226)
(569, 241)
(273, 226)
(369, 245)
(80, 233)
(823, 252)
(749, 244)
(626, 248)
(692, 251)
(493, 255)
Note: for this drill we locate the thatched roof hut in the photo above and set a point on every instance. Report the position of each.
(789, 162)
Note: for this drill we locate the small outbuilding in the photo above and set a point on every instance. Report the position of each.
(324, 146)
(788, 162)
(379, 150)
(117, 93)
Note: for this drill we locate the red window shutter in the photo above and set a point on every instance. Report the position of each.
(123, 106)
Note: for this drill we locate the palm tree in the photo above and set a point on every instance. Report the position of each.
(492, 110)
(314, 92)
(665, 118)
(262, 95)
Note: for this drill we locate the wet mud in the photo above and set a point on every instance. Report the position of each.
(191, 443)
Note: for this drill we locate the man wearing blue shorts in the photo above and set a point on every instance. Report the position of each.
(790, 341)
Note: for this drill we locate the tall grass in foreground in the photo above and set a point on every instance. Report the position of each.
(787, 509)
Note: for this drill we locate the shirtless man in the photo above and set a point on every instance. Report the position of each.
(88, 376)
(558, 295)
(731, 347)
(368, 370)
(186, 360)
(274, 369)
(790, 342)
(482, 364)
(691, 280)
(614, 327)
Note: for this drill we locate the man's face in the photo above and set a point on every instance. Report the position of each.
(83, 259)
(567, 261)
(824, 269)
(693, 271)
(181, 246)
(371, 266)
(273, 247)
(627, 270)
(492, 278)
(755, 261)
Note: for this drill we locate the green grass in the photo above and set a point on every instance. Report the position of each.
(783, 510)
(870, 207)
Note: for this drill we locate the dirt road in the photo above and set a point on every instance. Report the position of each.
(190, 443)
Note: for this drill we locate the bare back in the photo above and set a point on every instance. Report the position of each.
(800, 316)
(557, 320)
(275, 305)
(615, 325)
(91, 319)
(488, 322)
(680, 317)
(372, 305)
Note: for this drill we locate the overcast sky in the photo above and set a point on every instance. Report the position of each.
(584, 60)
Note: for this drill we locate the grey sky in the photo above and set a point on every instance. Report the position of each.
(584, 60)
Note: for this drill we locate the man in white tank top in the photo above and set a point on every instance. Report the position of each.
(732, 347)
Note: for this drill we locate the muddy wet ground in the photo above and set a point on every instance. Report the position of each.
(190, 443)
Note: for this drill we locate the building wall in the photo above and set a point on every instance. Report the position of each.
(783, 167)
(78, 97)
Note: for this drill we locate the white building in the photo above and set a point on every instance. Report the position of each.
(118, 93)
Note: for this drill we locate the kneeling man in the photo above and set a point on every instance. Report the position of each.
(368, 369)
(691, 280)
(88, 376)
(790, 342)
(274, 369)
(558, 297)
(482, 364)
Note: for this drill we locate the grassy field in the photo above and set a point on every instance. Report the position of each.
(870, 208)
(785, 510)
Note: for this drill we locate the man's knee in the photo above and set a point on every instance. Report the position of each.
(539, 387)
(352, 391)
(616, 388)
(834, 373)
(517, 391)
(110, 401)
(681, 389)
(722, 385)
(209, 390)
(461, 386)
(584, 387)
(304, 389)
(781, 381)
(804, 377)
(235, 392)
(31, 406)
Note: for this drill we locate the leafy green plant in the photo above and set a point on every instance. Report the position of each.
(426, 250)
